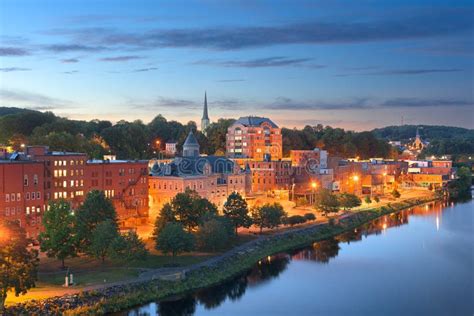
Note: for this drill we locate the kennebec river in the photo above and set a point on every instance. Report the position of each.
(416, 262)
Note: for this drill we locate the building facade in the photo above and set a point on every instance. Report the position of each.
(254, 137)
(212, 177)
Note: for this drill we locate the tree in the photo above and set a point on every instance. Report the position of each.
(461, 187)
(103, 236)
(18, 265)
(166, 216)
(214, 233)
(367, 200)
(236, 209)
(395, 194)
(348, 201)
(95, 209)
(268, 215)
(376, 199)
(310, 217)
(58, 239)
(129, 247)
(174, 239)
(327, 201)
(189, 208)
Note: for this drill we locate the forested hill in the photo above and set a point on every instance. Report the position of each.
(428, 132)
(444, 140)
(12, 110)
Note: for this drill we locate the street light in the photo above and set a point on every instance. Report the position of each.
(313, 186)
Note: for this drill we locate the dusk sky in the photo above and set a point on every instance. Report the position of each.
(352, 64)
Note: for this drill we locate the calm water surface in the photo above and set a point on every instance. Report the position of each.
(417, 262)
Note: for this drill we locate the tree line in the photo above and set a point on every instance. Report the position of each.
(137, 140)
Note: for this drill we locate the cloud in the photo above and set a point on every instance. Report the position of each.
(119, 58)
(436, 23)
(70, 60)
(13, 51)
(163, 102)
(145, 69)
(32, 99)
(419, 102)
(230, 80)
(276, 61)
(62, 48)
(395, 72)
(363, 103)
(11, 69)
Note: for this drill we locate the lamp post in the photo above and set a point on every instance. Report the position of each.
(313, 187)
(355, 178)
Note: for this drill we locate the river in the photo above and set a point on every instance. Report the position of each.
(416, 262)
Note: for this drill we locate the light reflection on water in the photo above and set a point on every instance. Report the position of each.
(418, 261)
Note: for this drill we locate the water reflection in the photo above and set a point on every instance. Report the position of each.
(269, 268)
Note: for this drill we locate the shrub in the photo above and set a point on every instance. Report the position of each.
(376, 199)
(296, 219)
(310, 217)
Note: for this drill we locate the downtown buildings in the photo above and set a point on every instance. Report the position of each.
(31, 179)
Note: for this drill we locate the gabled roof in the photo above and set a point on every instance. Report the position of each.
(254, 121)
(191, 139)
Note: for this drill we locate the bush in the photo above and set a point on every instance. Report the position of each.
(296, 219)
(310, 217)
(376, 199)
(396, 194)
(367, 200)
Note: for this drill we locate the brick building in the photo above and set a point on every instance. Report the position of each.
(31, 179)
(254, 137)
(22, 195)
(125, 183)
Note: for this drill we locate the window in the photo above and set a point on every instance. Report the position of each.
(27, 196)
(33, 195)
(12, 197)
(64, 184)
(7, 198)
(7, 211)
(35, 179)
(27, 210)
(25, 180)
(38, 195)
(18, 196)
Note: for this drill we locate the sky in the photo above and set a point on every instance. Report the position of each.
(352, 64)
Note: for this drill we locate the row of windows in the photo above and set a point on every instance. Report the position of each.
(71, 162)
(72, 184)
(26, 180)
(12, 211)
(63, 195)
(63, 173)
(12, 197)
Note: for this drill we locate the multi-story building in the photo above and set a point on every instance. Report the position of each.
(213, 177)
(63, 173)
(125, 183)
(30, 180)
(254, 137)
(22, 195)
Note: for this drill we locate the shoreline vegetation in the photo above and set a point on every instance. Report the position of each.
(122, 297)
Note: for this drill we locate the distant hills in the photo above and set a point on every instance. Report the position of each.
(12, 110)
(427, 132)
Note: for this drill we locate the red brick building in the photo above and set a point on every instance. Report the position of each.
(254, 137)
(125, 183)
(22, 193)
(29, 181)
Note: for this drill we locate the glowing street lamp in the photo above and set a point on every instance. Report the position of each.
(355, 178)
(313, 186)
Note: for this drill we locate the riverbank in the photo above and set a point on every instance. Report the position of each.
(117, 298)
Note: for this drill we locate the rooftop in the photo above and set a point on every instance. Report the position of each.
(254, 121)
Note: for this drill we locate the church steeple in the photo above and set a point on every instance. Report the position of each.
(205, 116)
